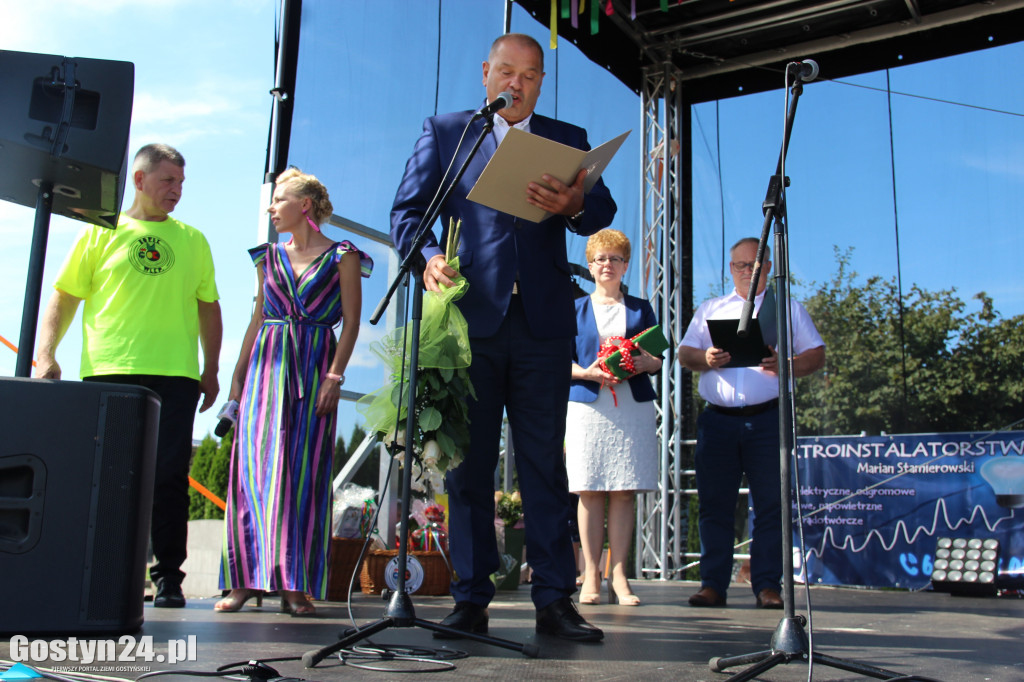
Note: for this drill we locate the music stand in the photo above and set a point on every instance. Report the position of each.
(64, 125)
(400, 613)
(789, 641)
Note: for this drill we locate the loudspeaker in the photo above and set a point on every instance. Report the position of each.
(65, 120)
(77, 462)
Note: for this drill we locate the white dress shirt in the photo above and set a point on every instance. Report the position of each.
(501, 127)
(741, 386)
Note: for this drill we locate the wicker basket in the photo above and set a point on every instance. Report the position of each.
(342, 559)
(436, 578)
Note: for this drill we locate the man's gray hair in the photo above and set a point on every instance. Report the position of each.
(751, 240)
(151, 155)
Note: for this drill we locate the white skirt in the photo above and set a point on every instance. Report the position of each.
(609, 448)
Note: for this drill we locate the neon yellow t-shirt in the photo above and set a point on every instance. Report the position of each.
(141, 284)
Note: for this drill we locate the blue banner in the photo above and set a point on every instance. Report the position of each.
(873, 506)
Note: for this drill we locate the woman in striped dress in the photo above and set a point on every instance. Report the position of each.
(287, 381)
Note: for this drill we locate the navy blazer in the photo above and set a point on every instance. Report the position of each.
(497, 249)
(639, 316)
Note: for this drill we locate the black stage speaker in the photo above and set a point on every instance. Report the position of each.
(65, 120)
(77, 462)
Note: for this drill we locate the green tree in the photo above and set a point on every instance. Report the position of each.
(990, 394)
(340, 456)
(211, 467)
(367, 475)
(922, 363)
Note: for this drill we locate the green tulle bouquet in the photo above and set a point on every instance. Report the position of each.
(441, 420)
(508, 506)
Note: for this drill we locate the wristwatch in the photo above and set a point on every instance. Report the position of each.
(340, 378)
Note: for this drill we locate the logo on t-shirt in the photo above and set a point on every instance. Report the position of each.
(151, 255)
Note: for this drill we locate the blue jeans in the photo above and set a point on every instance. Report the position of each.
(728, 447)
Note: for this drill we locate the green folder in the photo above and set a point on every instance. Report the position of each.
(651, 340)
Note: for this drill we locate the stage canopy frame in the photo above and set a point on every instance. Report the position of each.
(723, 49)
(678, 53)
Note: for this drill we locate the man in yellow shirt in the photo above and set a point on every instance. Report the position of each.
(150, 298)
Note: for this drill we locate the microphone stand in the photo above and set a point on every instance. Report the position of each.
(400, 613)
(789, 642)
(34, 283)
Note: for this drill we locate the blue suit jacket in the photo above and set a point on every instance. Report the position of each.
(496, 248)
(639, 316)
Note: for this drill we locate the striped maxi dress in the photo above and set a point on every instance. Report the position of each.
(277, 521)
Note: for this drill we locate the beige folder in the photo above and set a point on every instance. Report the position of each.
(522, 158)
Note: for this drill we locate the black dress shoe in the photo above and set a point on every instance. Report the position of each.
(467, 617)
(561, 619)
(168, 596)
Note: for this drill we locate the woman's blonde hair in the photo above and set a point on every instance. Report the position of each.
(306, 185)
(609, 239)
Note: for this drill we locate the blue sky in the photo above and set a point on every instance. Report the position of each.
(957, 168)
(369, 75)
(202, 72)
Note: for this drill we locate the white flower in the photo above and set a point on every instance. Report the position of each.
(431, 451)
(436, 479)
(399, 439)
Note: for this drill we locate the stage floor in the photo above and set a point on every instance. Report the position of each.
(916, 634)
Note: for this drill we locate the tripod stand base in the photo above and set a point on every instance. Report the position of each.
(400, 613)
(789, 643)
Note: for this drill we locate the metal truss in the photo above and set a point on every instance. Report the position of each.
(667, 282)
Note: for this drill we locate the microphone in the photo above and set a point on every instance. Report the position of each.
(807, 70)
(502, 101)
(228, 415)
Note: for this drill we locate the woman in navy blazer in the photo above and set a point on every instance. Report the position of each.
(611, 444)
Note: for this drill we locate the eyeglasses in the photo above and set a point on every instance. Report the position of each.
(743, 266)
(601, 260)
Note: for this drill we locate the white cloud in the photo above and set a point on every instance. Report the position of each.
(26, 24)
(362, 356)
(208, 108)
(15, 225)
(1005, 165)
(18, 222)
(150, 108)
(111, 6)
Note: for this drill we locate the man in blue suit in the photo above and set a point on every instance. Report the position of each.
(519, 308)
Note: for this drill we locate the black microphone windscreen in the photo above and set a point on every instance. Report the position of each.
(223, 427)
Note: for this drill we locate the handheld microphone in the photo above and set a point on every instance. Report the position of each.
(807, 70)
(502, 101)
(228, 415)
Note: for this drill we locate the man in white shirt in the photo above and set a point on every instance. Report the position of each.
(738, 433)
